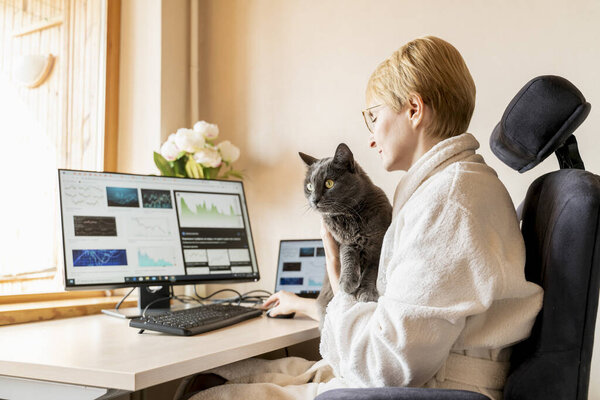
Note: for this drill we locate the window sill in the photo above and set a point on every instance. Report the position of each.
(30, 311)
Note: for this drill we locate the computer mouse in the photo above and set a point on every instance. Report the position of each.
(287, 316)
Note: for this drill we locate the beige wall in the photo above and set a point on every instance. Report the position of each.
(154, 79)
(289, 76)
(280, 77)
(139, 85)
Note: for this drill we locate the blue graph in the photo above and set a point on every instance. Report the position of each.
(156, 257)
(122, 197)
(291, 281)
(99, 258)
(314, 283)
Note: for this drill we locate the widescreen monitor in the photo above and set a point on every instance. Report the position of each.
(135, 230)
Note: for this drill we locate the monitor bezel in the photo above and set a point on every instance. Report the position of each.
(119, 285)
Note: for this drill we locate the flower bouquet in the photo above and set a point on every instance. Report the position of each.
(192, 153)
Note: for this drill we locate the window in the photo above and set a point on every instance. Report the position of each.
(51, 119)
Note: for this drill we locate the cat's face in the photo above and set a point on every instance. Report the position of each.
(331, 185)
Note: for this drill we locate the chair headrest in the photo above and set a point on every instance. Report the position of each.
(538, 120)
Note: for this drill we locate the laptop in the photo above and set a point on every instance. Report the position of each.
(301, 267)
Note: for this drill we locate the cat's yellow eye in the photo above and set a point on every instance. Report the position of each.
(328, 183)
(310, 187)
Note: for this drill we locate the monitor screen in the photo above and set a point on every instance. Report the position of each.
(301, 267)
(133, 230)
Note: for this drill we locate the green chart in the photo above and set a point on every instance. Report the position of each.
(207, 210)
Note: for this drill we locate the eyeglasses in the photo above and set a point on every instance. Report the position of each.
(370, 118)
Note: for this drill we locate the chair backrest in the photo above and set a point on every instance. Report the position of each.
(561, 229)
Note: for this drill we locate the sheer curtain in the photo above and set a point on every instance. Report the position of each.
(59, 124)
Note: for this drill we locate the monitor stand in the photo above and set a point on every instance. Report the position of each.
(147, 295)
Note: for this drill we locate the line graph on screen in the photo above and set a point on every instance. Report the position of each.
(149, 227)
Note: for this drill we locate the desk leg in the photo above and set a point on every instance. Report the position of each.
(27, 389)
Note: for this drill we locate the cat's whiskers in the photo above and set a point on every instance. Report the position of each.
(338, 208)
(307, 208)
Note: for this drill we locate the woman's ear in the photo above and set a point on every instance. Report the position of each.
(416, 108)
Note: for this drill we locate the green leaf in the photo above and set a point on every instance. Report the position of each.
(179, 167)
(163, 165)
(211, 173)
(181, 154)
(234, 173)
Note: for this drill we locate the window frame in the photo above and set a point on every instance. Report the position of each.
(110, 148)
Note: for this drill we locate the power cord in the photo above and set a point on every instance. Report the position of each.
(239, 295)
(123, 299)
(256, 298)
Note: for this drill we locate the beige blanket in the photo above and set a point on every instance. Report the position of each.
(290, 378)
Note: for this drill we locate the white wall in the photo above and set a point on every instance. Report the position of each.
(154, 79)
(139, 85)
(289, 76)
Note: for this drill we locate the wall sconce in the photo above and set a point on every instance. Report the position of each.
(32, 70)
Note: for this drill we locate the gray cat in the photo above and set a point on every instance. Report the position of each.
(356, 212)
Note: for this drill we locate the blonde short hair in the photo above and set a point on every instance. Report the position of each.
(434, 69)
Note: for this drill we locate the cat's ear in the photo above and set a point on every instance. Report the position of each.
(344, 158)
(308, 160)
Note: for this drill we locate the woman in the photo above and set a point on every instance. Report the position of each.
(451, 278)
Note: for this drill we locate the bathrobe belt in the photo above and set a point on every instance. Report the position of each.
(473, 371)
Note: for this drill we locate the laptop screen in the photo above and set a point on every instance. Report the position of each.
(301, 267)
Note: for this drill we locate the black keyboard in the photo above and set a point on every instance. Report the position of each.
(193, 321)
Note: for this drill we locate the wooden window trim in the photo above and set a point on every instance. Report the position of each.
(38, 297)
(21, 308)
(111, 113)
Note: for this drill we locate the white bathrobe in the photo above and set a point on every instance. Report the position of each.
(451, 279)
(453, 294)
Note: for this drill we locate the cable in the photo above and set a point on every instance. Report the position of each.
(258, 291)
(154, 301)
(185, 299)
(239, 295)
(123, 299)
(256, 299)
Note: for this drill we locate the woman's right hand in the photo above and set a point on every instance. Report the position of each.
(287, 302)
(284, 303)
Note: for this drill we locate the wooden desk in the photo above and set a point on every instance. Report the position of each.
(105, 353)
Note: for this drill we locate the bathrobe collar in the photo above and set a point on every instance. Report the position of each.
(439, 156)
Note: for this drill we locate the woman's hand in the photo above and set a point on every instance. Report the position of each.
(332, 257)
(287, 302)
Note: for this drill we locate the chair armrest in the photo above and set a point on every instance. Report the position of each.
(399, 393)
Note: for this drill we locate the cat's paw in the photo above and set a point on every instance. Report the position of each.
(349, 286)
(366, 294)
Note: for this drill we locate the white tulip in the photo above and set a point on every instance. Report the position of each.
(189, 140)
(209, 131)
(169, 150)
(209, 157)
(229, 152)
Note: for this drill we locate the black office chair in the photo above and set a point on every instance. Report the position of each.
(561, 228)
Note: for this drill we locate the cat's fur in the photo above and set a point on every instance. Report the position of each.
(357, 213)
